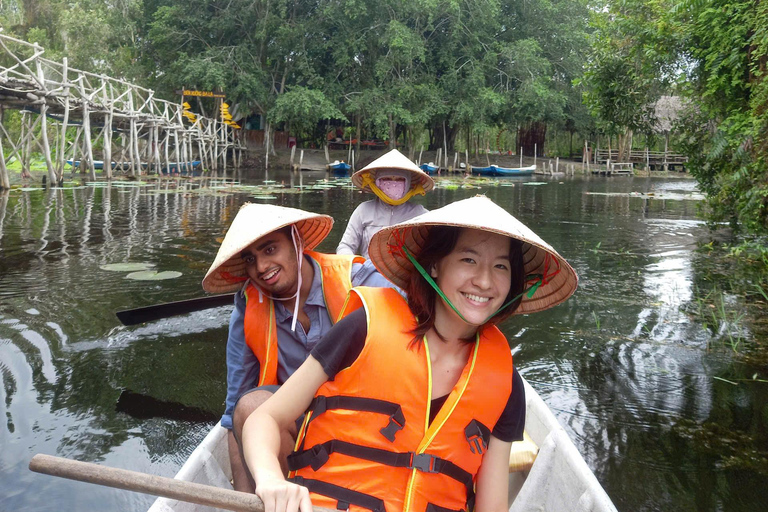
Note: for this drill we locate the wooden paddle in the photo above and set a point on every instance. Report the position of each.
(168, 309)
(148, 484)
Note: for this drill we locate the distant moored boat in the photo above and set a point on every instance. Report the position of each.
(495, 170)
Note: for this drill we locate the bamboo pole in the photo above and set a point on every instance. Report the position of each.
(87, 131)
(5, 179)
(148, 484)
(165, 150)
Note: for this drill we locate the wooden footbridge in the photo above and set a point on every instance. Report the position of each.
(136, 131)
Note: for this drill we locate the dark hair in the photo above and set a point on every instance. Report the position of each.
(440, 241)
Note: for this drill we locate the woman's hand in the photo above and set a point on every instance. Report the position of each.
(280, 495)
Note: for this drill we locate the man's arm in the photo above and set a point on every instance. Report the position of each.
(242, 365)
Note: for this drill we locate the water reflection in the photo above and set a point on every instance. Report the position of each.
(626, 369)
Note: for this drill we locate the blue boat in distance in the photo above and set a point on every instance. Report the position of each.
(99, 164)
(339, 168)
(495, 170)
(429, 168)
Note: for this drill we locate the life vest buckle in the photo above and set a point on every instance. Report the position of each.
(478, 436)
(396, 424)
(424, 462)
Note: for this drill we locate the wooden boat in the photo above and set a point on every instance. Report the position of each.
(429, 168)
(547, 473)
(495, 170)
(339, 168)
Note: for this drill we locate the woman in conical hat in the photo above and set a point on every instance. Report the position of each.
(394, 180)
(413, 405)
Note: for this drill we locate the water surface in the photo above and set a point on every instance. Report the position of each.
(648, 390)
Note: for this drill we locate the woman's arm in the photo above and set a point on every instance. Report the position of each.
(353, 234)
(261, 438)
(493, 478)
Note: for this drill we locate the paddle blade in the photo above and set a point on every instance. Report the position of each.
(169, 309)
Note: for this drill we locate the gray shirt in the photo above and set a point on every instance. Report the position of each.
(293, 347)
(368, 218)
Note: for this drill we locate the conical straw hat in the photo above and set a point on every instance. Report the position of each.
(396, 160)
(252, 222)
(478, 212)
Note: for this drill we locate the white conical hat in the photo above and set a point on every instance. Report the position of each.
(252, 222)
(396, 160)
(559, 280)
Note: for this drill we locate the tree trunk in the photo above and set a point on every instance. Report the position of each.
(531, 137)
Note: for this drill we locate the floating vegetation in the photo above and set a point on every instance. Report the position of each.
(126, 267)
(733, 449)
(153, 275)
(672, 196)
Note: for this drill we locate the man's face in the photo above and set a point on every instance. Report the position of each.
(271, 264)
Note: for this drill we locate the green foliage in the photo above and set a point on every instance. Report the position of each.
(398, 68)
(303, 108)
(725, 131)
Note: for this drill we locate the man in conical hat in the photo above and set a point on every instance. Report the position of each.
(394, 179)
(288, 297)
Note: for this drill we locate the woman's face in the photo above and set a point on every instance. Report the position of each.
(475, 276)
(394, 186)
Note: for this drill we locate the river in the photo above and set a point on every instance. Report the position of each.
(647, 378)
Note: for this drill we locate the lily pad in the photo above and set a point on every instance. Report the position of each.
(153, 275)
(126, 267)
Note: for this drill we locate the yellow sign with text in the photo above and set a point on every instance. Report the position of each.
(204, 94)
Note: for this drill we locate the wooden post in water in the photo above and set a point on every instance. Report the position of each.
(466, 158)
(327, 157)
(535, 151)
(420, 152)
(293, 153)
(5, 179)
(166, 140)
(352, 161)
(445, 147)
(44, 124)
(87, 129)
(521, 156)
(108, 130)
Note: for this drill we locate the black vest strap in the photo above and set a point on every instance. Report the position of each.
(344, 496)
(431, 507)
(355, 403)
(319, 455)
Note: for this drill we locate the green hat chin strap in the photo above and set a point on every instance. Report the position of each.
(529, 292)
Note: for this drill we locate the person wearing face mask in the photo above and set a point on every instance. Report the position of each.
(394, 179)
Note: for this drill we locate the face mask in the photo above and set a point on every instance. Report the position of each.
(394, 184)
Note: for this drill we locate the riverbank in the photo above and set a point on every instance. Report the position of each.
(314, 159)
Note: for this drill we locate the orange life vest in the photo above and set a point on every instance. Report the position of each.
(366, 442)
(259, 321)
